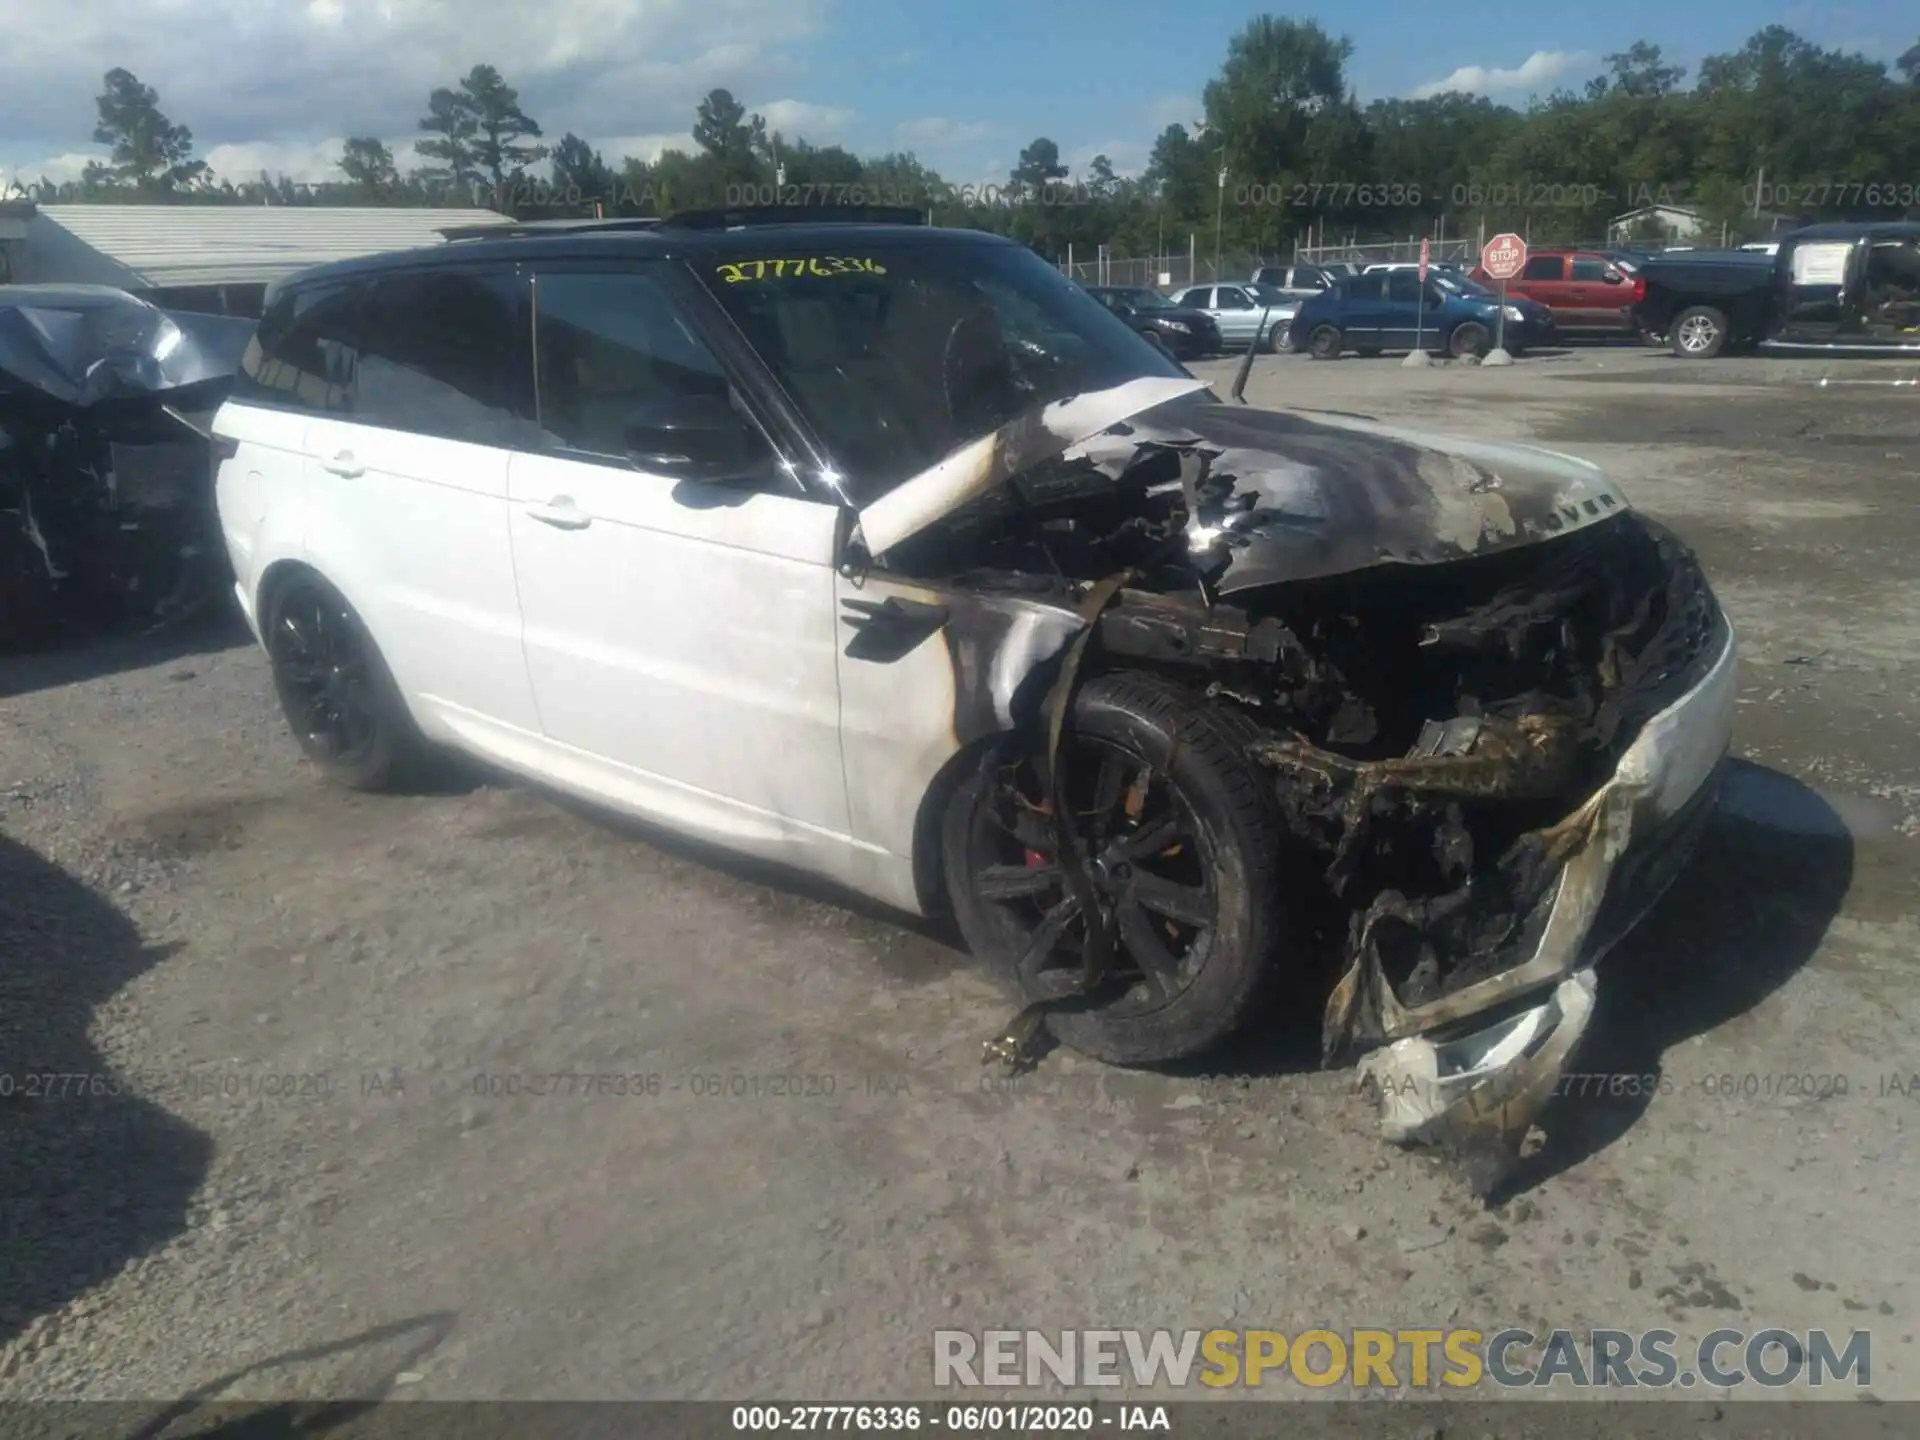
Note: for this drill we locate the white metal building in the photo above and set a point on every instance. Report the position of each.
(207, 257)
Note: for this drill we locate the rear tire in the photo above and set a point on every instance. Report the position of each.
(1325, 343)
(1699, 333)
(336, 692)
(1192, 873)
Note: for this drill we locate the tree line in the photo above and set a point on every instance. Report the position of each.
(1778, 131)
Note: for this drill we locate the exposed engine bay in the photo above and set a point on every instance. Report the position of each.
(1438, 735)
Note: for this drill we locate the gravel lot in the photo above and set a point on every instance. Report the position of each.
(297, 1189)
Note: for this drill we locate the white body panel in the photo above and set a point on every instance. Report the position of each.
(413, 530)
(683, 645)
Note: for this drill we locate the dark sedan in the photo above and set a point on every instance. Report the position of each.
(1187, 334)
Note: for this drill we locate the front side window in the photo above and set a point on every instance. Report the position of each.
(1589, 271)
(303, 354)
(900, 356)
(1231, 299)
(614, 357)
(446, 353)
(1403, 286)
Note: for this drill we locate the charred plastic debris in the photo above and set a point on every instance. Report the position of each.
(106, 508)
(1445, 661)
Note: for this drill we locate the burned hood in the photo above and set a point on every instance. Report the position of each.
(83, 344)
(1277, 496)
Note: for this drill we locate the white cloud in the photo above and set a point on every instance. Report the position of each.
(1168, 110)
(290, 72)
(57, 168)
(801, 119)
(1536, 72)
(1128, 157)
(937, 132)
(615, 148)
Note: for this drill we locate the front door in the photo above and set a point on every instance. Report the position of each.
(1401, 315)
(681, 633)
(1595, 296)
(1363, 311)
(1236, 314)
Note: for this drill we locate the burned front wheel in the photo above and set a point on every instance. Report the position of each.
(1179, 859)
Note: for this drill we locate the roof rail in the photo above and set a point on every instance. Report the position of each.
(519, 229)
(747, 215)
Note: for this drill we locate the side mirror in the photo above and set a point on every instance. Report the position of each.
(1125, 312)
(698, 437)
(1612, 277)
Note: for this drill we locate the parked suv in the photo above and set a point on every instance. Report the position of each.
(889, 553)
(1589, 293)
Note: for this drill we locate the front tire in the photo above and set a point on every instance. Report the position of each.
(1699, 333)
(1184, 853)
(1325, 343)
(336, 692)
(1469, 340)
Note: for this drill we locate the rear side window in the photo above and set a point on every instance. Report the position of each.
(302, 355)
(613, 353)
(446, 353)
(1544, 267)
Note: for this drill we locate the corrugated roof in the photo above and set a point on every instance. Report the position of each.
(164, 245)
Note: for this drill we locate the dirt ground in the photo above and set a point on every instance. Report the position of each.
(301, 996)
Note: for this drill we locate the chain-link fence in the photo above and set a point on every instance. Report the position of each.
(1387, 253)
(1163, 272)
(1172, 273)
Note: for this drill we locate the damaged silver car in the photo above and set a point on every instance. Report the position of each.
(888, 552)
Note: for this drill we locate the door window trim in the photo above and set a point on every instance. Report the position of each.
(797, 454)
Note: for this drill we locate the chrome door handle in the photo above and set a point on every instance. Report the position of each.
(343, 464)
(561, 513)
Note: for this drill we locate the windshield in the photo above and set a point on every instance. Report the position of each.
(899, 356)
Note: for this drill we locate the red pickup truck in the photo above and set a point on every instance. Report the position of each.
(1590, 292)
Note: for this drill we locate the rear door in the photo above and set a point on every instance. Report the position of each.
(409, 513)
(681, 634)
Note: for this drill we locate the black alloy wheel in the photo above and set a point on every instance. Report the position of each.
(1181, 850)
(334, 688)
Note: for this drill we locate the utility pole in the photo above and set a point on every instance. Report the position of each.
(1219, 215)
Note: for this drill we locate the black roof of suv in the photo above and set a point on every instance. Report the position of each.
(695, 235)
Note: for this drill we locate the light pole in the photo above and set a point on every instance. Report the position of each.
(1219, 215)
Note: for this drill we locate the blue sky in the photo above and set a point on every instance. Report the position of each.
(963, 83)
(1086, 73)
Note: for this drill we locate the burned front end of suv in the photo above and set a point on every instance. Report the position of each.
(1490, 702)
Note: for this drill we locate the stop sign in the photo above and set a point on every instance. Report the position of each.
(1505, 256)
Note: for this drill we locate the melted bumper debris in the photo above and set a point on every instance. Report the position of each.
(106, 505)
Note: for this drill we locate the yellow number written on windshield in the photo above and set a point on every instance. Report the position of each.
(735, 272)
